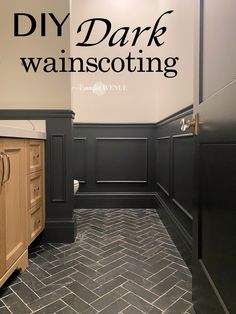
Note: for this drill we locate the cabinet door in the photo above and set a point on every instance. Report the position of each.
(14, 199)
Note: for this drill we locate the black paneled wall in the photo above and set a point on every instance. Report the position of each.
(139, 165)
(114, 164)
(175, 179)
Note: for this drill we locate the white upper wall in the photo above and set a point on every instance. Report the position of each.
(21, 90)
(148, 97)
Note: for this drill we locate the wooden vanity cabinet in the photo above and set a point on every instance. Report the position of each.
(35, 179)
(17, 217)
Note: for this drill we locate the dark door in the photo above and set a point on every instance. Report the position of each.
(214, 263)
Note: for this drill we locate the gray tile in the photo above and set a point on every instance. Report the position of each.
(140, 291)
(110, 285)
(137, 270)
(62, 267)
(134, 261)
(138, 279)
(179, 307)
(38, 272)
(31, 281)
(4, 310)
(162, 274)
(133, 248)
(91, 255)
(155, 268)
(105, 301)
(86, 270)
(75, 303)
(165, 285)
(15, 304)
(110, 275)
(24, 292)
(120, 291)
(132, 310)
(138, 256)
(116, 251)
(82, 292)
(140, 303)
(86, 261)
(111, 251)
(111, 245)
(115, 307)
(169, 298)
(185, 285)
(52, 308)
(62, 274)
(49, 298)
(182, 269)
(111, 258)
(111, 266)
(67, 310)
(187, 297)
(85, 280)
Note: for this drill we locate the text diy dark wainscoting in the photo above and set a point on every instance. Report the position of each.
(141, 166)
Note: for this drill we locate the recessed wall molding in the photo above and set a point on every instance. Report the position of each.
(80, 159)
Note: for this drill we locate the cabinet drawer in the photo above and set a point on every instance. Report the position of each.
(35, 156)
(35, 186)
(36, 221)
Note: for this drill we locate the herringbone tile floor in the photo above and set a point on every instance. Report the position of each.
(123, 261)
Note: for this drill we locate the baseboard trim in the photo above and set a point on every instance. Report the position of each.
(179, 235)
(114, 200)
(59, 231)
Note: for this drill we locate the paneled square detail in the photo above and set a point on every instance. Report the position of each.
(121, 160)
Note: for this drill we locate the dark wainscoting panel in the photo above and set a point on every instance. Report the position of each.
(80, 159)
(120, 159)
(58, 168)
(183, 173)
(174, 178)
(216, 221)
(60, 225)
(163, 162)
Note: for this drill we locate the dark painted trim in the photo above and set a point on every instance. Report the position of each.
(114, 125)
(179, 235)
(163, 189)
(182, 208)
(177, 115)
(53, 138)
(115, 200)
(59, 231)
(31, 114)
(77, 139)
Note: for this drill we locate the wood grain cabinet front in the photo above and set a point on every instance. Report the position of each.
(22, 212)
(35, 188)
(13, 220)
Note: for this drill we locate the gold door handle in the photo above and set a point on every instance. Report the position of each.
(193, 123)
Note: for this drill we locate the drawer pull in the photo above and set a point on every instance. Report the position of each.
(36, 188)
(36, 156)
